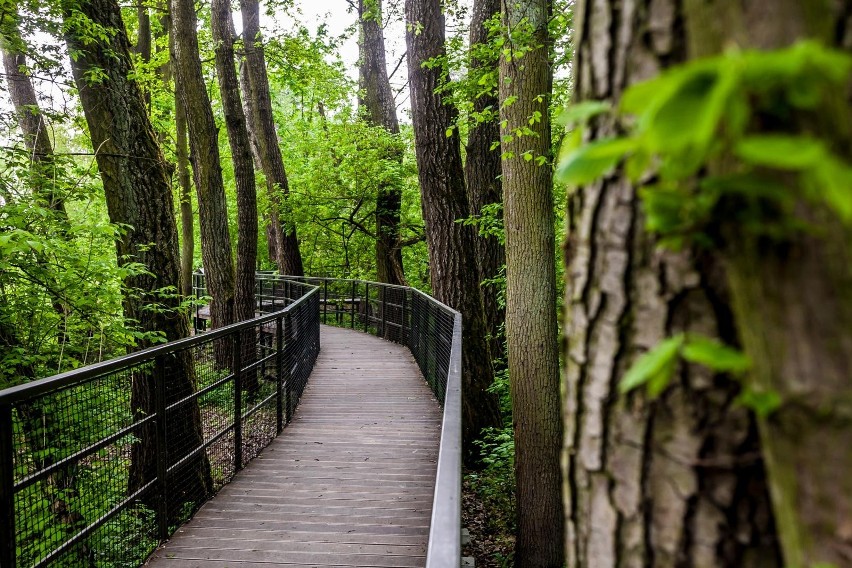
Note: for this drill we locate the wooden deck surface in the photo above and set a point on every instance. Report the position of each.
(348, 483)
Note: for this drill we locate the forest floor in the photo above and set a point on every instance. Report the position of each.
(485, 515)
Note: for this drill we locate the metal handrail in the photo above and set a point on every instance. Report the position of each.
(445, 527)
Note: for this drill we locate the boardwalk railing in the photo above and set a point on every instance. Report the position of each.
(100, 464)
(433, 334)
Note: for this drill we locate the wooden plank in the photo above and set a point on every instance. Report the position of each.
(348, 483)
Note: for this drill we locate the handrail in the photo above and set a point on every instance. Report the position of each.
(445, 527)
(73, 486)
(76, 376)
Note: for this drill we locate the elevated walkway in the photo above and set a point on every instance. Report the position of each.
(351, 482)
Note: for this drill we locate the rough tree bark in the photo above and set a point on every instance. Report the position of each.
(482, 170)
(377, 99)
(289, 259)
(792, 298)
(677, 481)
(238, 139)
(531, 325)
(241, 157)
(138, 195)
(187, 216)
(206, 169)
(184, 177)
(452, 253)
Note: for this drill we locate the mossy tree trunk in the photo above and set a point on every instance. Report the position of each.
(792, 299)
(531, 326)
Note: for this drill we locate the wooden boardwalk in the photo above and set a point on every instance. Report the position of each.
(348, 483)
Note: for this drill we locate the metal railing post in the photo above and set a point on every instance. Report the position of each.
(352, 306)
(236, 369)
(8, 540)
(279, 373)
(161, 441)
(384, 311)
(288, 379)
(325, 301)
(367, 307)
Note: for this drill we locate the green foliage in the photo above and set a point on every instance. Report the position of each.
(494, 486)
(656, 368)
(751, 116)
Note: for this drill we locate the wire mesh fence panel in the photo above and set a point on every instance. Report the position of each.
(98, 465)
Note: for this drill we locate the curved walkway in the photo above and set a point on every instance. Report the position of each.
(348, 483)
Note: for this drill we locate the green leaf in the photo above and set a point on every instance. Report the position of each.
(581, 112)
(833, 180)
(654, 367)
(593, 160)
(763, 403)
(714, 355)
(782, 152)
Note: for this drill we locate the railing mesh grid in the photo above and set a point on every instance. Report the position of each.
(98, 465)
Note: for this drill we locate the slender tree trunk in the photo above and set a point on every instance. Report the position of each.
(452, 261)
(482, 171)
(143, 39)
(792, 298)
(289, 258)
(678, 481)
(238, 139)
(187, 216)
(531, 326)
(376, 98)
(31, 121)
(207, 171)
(138, 195)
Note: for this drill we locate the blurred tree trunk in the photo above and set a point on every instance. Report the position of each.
(531, 325)
(376, 98)
(677, 481)
(207, 171)
(138, 196)
(452, 252)
(792, 298)
(482, 170)
(289, 258)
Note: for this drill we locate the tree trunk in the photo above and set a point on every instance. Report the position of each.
(793, 304)
(289, 258)
(482, 170)
(138, 195)
(143, 39)
(238, 139)
(31, 121)
(452, 262)
(677, 481)
(207, 171)
(531, 325)
(376, 98)
(187, 217)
